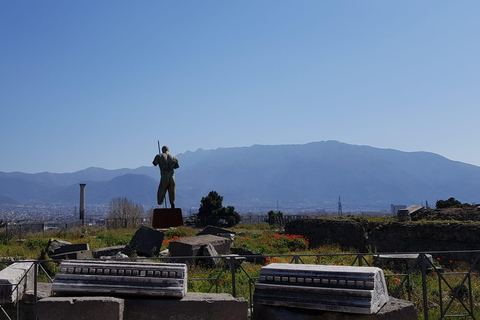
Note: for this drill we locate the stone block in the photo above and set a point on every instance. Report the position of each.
(209, 251)
(121, 278)
(322, 287)
(187, 247)
(76, 255)
(72, 248)
(194, 306)
(394, 309)
(108, 251)
(398, 262)
(79, 308)
(15, 280)
(55, 244)
(216, 231)
(167, 218)
(403, 215)
(147, 241)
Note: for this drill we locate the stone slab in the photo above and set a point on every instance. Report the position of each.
(187, 247)
(121, 278)
(322, 287)
(167, 218)
(194, 306)
(216, 231)
(76, 255)
(55, 244)
(147, 241)
(394, 309)
(79, 308)
(14, 281)
(398, 262)
(108, 251)
(71, 248)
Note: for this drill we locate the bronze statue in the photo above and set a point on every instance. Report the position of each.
(167, 163)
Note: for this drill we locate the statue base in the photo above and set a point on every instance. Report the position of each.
(166, 218)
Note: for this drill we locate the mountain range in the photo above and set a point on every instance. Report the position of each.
(259, 178)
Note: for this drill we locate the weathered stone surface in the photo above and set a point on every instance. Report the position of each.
(322, 287)
(74, 255)
(55, 244)
(72, 248)
(398, 262)
(394, 309)
(44, 289)
(216, 231)
(14, 281)
(209, 251)
(121, 278)
(167, 218)
(194, 306)
(187, 247)
(79, 308)
(108, 251)
(403, 215)
(147, 241)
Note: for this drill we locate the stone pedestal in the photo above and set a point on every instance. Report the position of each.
(395, 309)
(166, 218)
(194, 306)
(118, 278)
(320, 287)
(79, 308)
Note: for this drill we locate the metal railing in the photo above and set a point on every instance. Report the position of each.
(414, 284)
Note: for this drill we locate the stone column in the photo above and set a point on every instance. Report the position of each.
(82, 203)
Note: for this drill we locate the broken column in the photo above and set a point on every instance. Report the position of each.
(121, 278)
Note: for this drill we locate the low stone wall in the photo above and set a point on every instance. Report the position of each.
(368, 236)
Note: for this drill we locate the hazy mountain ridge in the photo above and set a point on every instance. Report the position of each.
(309, 176)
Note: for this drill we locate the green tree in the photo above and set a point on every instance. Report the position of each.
(212, 212)
(450, 203)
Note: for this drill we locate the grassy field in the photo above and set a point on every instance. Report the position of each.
(278, 248)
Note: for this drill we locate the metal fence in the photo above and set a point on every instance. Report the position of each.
(437, 292)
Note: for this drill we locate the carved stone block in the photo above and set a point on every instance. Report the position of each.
(121, 278)
(322, 287)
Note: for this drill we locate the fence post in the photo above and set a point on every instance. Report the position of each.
(35, 279)
(360, 260)
(423, 266)
(232, 269)
(296, 259)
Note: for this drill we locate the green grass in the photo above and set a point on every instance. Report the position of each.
(277, 247)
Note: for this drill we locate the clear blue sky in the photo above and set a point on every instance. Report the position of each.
(97, 83)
